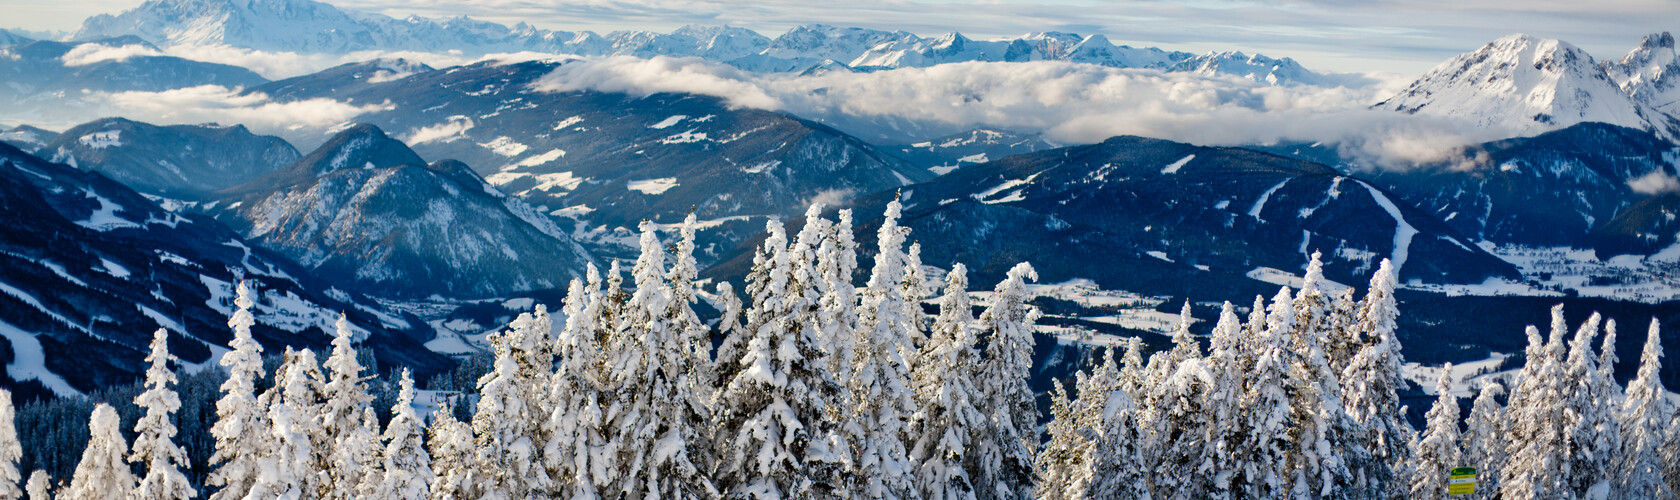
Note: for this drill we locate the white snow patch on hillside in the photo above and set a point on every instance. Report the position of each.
(943, 169)
(1007, 184)
(161, 319)
(684, 138)
(29, 362)
(533, 161)
(761, 167)
(105, 217)
(1159, 255)
(1260, 204)
(112, 268)
(1463, 374)
(505, 146)
(974, 158)
(1553, 271)
(653, 186)
(449, 131)
(666, 123)
(1174, 166)
(102, 140)
(63, 273)
(568, 122)
(1403, 231)
(1285, 278)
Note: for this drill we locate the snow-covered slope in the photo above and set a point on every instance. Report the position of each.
(368, 210)
(314, 27)
(1650, 72)
(1527, 85)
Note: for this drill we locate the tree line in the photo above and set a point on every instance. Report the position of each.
(823, 389)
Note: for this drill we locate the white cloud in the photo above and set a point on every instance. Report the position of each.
(1656, 182)
(449, 131)
(89, 53)
(211, 103)
(1067, 102)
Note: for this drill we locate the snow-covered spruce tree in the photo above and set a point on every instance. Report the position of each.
(1344, 340)
(453, 459)
(240, 430)
(1593, 434)
(774, 429)
(1227, 415)
(1332, 446)
(39, 486)
(1438, 449)
(1164, 364)
(103, 473)
(836, 261)
(360, 453)
(10, 450)
(1536, 423)
(504, 427)
(1056, 463)
(658, 419)
(1645, 413)
(1002, 465)
(1090, 408)
(945, 395)
(1483, 440)
(575, 454)
(696, 337)
(1173, 416)
(1262, 459)
(1131, 368)
(405, 467)
(1369, 390)
(345, 398)
(290, 467)
(154, 446)
(914, 289)
(882, 402)
(1116, 465)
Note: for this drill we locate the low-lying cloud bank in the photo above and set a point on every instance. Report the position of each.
(1067, 102)
(212, 103)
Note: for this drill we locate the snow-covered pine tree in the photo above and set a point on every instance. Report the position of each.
(240, 430)
(1593, 434)
(1164, 364)
(290, 467)
(1483, 440)
(882, 402)
(39, 486)
(1131, 369)
(1225, 401)
(405, 467)
(1644, 415)
(836, 261)
(1437, 451)
(504, 425)
(1056, 463)
(945, 394)
(1343, 342)
(1117, 465)
(155, 445)
(103, 473)
(657, 418)
(1536, 422)
(453, 458)
(1369, 390)
(1093, 390)
(1262, 459)
(774, 428)
(914, 289)
(10, 450)
(576, 455)
(1177, 428)
(696, 337)
(1003, 458)
(345, 397)
(356, 462)
(1332, 446)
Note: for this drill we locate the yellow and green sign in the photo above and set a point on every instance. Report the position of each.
(1463, 481)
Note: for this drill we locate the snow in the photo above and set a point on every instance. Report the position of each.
(761, 167)
(1467, 375)
(973, 158)
(572, 212)
(533, 161)
(62, 273)
(1403, 231)
(105, 217)
(684, 138)
(653, 186)
(505, 146)
(667, 122)
(102, 140)
(545, 182)
(574, 120)
(161, 319)
(943, 169)
(1007, 184)
(1552, 271)
(112, 268)
(1292, 280)
(30, 299)
(454, 129)
(1159, 255)
(1174, 166)
(29, 362)
(1260, 204)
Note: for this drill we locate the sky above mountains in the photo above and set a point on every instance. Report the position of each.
(1398, 36)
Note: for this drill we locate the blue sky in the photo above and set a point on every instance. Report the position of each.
(1399, 36)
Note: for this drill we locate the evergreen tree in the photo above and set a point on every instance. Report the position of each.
(355, 471)
(346, 398)
(836, 261)
(155, 445)
(1090, 408)
(1131, 368)
(914, 289)
(290, 467)
(1484, 445)
(1117, 465)
(1056, 464)
(1537, 425)
(453, 457)
(1438, 451)
(1343, 341)
(240, 430)
(1331, 439)
(1262, 459)
(1594, 435)
(506, 448)
(1644, 415)
(39, 486)
(1003, 458)
(882, 402)
(575, 454)
(944, 383)
(10, 450)
(696, 337)
(1164, 364)
(1370, 384)
(1225, 404)
(103, 473)
(405, 468)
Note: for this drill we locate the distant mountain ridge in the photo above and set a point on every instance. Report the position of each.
(309, 26)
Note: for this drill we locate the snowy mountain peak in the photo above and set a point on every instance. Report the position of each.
(360, 146)
(1528, 85)
(1650, 72)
